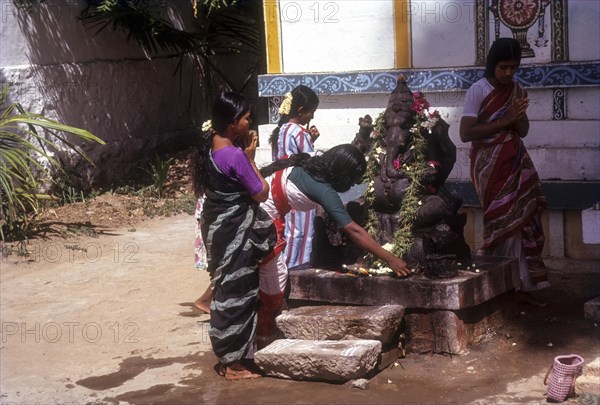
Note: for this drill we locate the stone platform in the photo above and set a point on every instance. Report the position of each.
(441, 315)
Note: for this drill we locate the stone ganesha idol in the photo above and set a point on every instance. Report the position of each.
(436, 233)
(414, 139)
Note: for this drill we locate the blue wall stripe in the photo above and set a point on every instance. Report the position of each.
(428, 80)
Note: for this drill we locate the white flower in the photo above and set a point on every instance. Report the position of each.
(206, 125)
(380, 271)
(286, 104)
(388, 246)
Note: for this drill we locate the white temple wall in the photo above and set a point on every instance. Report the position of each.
(312, 31)
(439, 32)
(584, 30)
(52, 65)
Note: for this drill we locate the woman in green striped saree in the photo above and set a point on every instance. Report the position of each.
(237, 233)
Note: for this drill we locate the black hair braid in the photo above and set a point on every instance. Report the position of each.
(275, 134)
(298, 159)
(201, 158)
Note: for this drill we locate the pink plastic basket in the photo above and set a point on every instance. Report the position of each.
(563, 373)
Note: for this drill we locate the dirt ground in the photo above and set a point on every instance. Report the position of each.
(100, 312)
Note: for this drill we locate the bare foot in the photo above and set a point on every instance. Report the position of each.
(202, 305)
(238, 371)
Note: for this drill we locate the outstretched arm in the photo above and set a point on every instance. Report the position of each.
(363, 240)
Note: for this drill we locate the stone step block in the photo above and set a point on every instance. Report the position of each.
(591, 310)
(319, 359)
(592, 369)
(586, 385)
(342, 322)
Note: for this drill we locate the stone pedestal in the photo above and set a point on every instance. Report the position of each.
(441, 315)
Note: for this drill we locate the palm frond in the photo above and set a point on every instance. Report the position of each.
(21, 172)
(151, 32)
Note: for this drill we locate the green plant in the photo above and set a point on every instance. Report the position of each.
(158, 171)
(71, 195)
(212, 5)
(22, 175)
(66, 192)
(153, 207)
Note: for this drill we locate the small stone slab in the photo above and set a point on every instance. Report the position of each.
(496, 275)
(592, 369)
(319, 359)
(342, 322)
(591, 309)
(588, 386)
(589, 382)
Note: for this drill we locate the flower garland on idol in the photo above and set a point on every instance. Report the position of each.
(413, 171)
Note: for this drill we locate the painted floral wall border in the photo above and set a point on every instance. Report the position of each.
(550, 76)
(575, 74)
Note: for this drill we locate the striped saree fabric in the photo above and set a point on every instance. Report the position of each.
(509, 189)
(237, 234)
(503, 174)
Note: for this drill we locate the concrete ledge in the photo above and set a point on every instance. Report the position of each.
(467, 290)
(561, 195)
